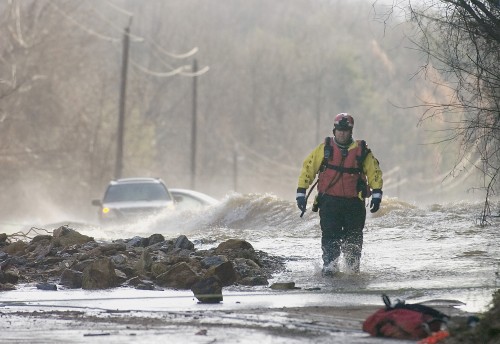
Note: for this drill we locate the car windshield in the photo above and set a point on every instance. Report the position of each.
(136, 192)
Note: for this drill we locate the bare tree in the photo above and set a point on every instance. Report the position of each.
(462, 41)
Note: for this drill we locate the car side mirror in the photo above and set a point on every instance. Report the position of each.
(178, 198)
(96, 202)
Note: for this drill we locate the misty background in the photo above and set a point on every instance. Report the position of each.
(271, 76)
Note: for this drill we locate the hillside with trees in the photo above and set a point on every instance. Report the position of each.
(270, 77)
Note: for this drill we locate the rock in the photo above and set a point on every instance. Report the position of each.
(40, 246)
(233, 244)
(181, 252)
(71, 250)
(283, 286)
(207, 262)
(155, 239)
(77, 261)
(225, 273)
(129, 271)
(66, 264)
(44, 237)
(15, 261)
(71, 279)
(16, 248)
(165, 246)
(208, 290)
(253, 281)
(100, 274)
(313, 289)
(120, 276)
(236, 248)
(138, 241)
(46, 286)
(65, 236)
(7, 286)
(143, 266)
(179, 276)
(158, 268)
(134, 281)
(146, 285)
(119, 259)
(183, 243)
(52, 260)
(246, 268)
(10, 275)
(80, 266)
(112, 249)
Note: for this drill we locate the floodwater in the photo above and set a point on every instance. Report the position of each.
(412, 252)
(433, 254)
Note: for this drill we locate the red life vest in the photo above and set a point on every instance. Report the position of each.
(342, 174)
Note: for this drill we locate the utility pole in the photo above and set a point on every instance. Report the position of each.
(193, 126)
(123, 96)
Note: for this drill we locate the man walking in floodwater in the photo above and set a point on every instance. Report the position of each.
(348, 173)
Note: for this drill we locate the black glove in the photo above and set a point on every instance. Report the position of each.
(301, 199)
(376, 200)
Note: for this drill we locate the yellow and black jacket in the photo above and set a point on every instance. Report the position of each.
(348, 173)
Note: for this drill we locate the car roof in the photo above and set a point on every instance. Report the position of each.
(136, 180)
(196, 194)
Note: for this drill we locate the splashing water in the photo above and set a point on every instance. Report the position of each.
(410, 252)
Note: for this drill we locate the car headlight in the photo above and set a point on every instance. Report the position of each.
(108, 213)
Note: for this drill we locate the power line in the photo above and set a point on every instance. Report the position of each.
(132, 37)
(183, 70)
(270, 161)
(83, 27)
(137, 38)
(197, 73)
(176, 71)
(173, 55)
(119, 9)
(153, 42)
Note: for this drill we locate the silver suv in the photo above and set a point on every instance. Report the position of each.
(132, 199)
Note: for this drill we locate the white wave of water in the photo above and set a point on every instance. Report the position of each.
(410, 252)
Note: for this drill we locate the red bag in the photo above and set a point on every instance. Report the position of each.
(404, 321)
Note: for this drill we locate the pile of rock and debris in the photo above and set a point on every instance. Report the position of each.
(69, 259)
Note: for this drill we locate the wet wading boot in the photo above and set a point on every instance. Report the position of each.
(329, 270)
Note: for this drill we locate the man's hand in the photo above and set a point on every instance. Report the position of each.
(376, 200)
(301, 202)
(301, 199)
